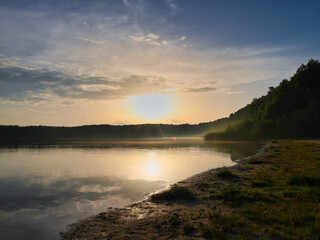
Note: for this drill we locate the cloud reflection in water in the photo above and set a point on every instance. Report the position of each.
(29, 204)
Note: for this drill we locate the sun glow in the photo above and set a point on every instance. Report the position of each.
(152, 106)
(152, 167)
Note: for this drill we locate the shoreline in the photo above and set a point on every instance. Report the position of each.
(137, 210)
(181, 218)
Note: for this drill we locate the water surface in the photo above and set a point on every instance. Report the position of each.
(45, 188)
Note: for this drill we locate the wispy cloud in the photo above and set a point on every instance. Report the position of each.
(150, 38)
(172, 5)
(152, 35)
(107, 38)
(201, 90)
(134, 5)
(90, 40)
(35, 85)
(228, 91)
(101, 42)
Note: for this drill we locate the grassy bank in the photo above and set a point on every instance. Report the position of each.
(271, 196)
(279, 199)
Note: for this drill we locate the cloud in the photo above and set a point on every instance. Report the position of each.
(106, 48)
(139, 85)
(228, 91)
(90, 40)
(186, 45)
(35, 84)
(172, 5)
(152, 35)
(202, 89)
(134, 5)
(149, 38)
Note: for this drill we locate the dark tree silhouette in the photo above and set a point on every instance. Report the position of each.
(291, 110)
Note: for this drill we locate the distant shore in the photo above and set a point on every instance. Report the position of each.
(249, 199)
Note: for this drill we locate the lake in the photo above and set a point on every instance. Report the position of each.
(43, 189)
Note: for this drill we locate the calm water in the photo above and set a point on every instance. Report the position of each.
(43, 189)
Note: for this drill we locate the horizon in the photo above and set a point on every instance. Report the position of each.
(135, 62)
(102, 124)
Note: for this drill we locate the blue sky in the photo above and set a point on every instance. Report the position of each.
(243, 23)
(81, 60)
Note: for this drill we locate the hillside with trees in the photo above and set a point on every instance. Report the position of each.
(291, 110)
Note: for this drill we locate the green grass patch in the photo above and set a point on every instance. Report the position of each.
(187, 228)
(223, 226)
(277, 198)
(174, 193)
(237, 197)
(225, 173)
(256, 161)
(174, 220)
(303, 193)
(260, 183)
(203, 186)
(304, 180)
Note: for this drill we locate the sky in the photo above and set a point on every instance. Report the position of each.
(73, 62)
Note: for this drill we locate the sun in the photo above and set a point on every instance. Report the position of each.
(152, 167)
(152, 106)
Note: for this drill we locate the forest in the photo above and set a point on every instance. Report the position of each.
(290, 110)
(56, 135)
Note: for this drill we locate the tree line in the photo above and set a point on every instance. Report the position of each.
(290, 110)
(55, 135)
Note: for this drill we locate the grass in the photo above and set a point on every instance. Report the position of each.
(277, 197)
(236, 197)
(221, 226)
(187, 228)
(260, 183)
(256, 161)
(173, 194)
(263, 178)
(304, 180)
(280, 198)
(225, 173)
(174, 220)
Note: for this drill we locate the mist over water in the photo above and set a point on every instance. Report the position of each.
(43, 189)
